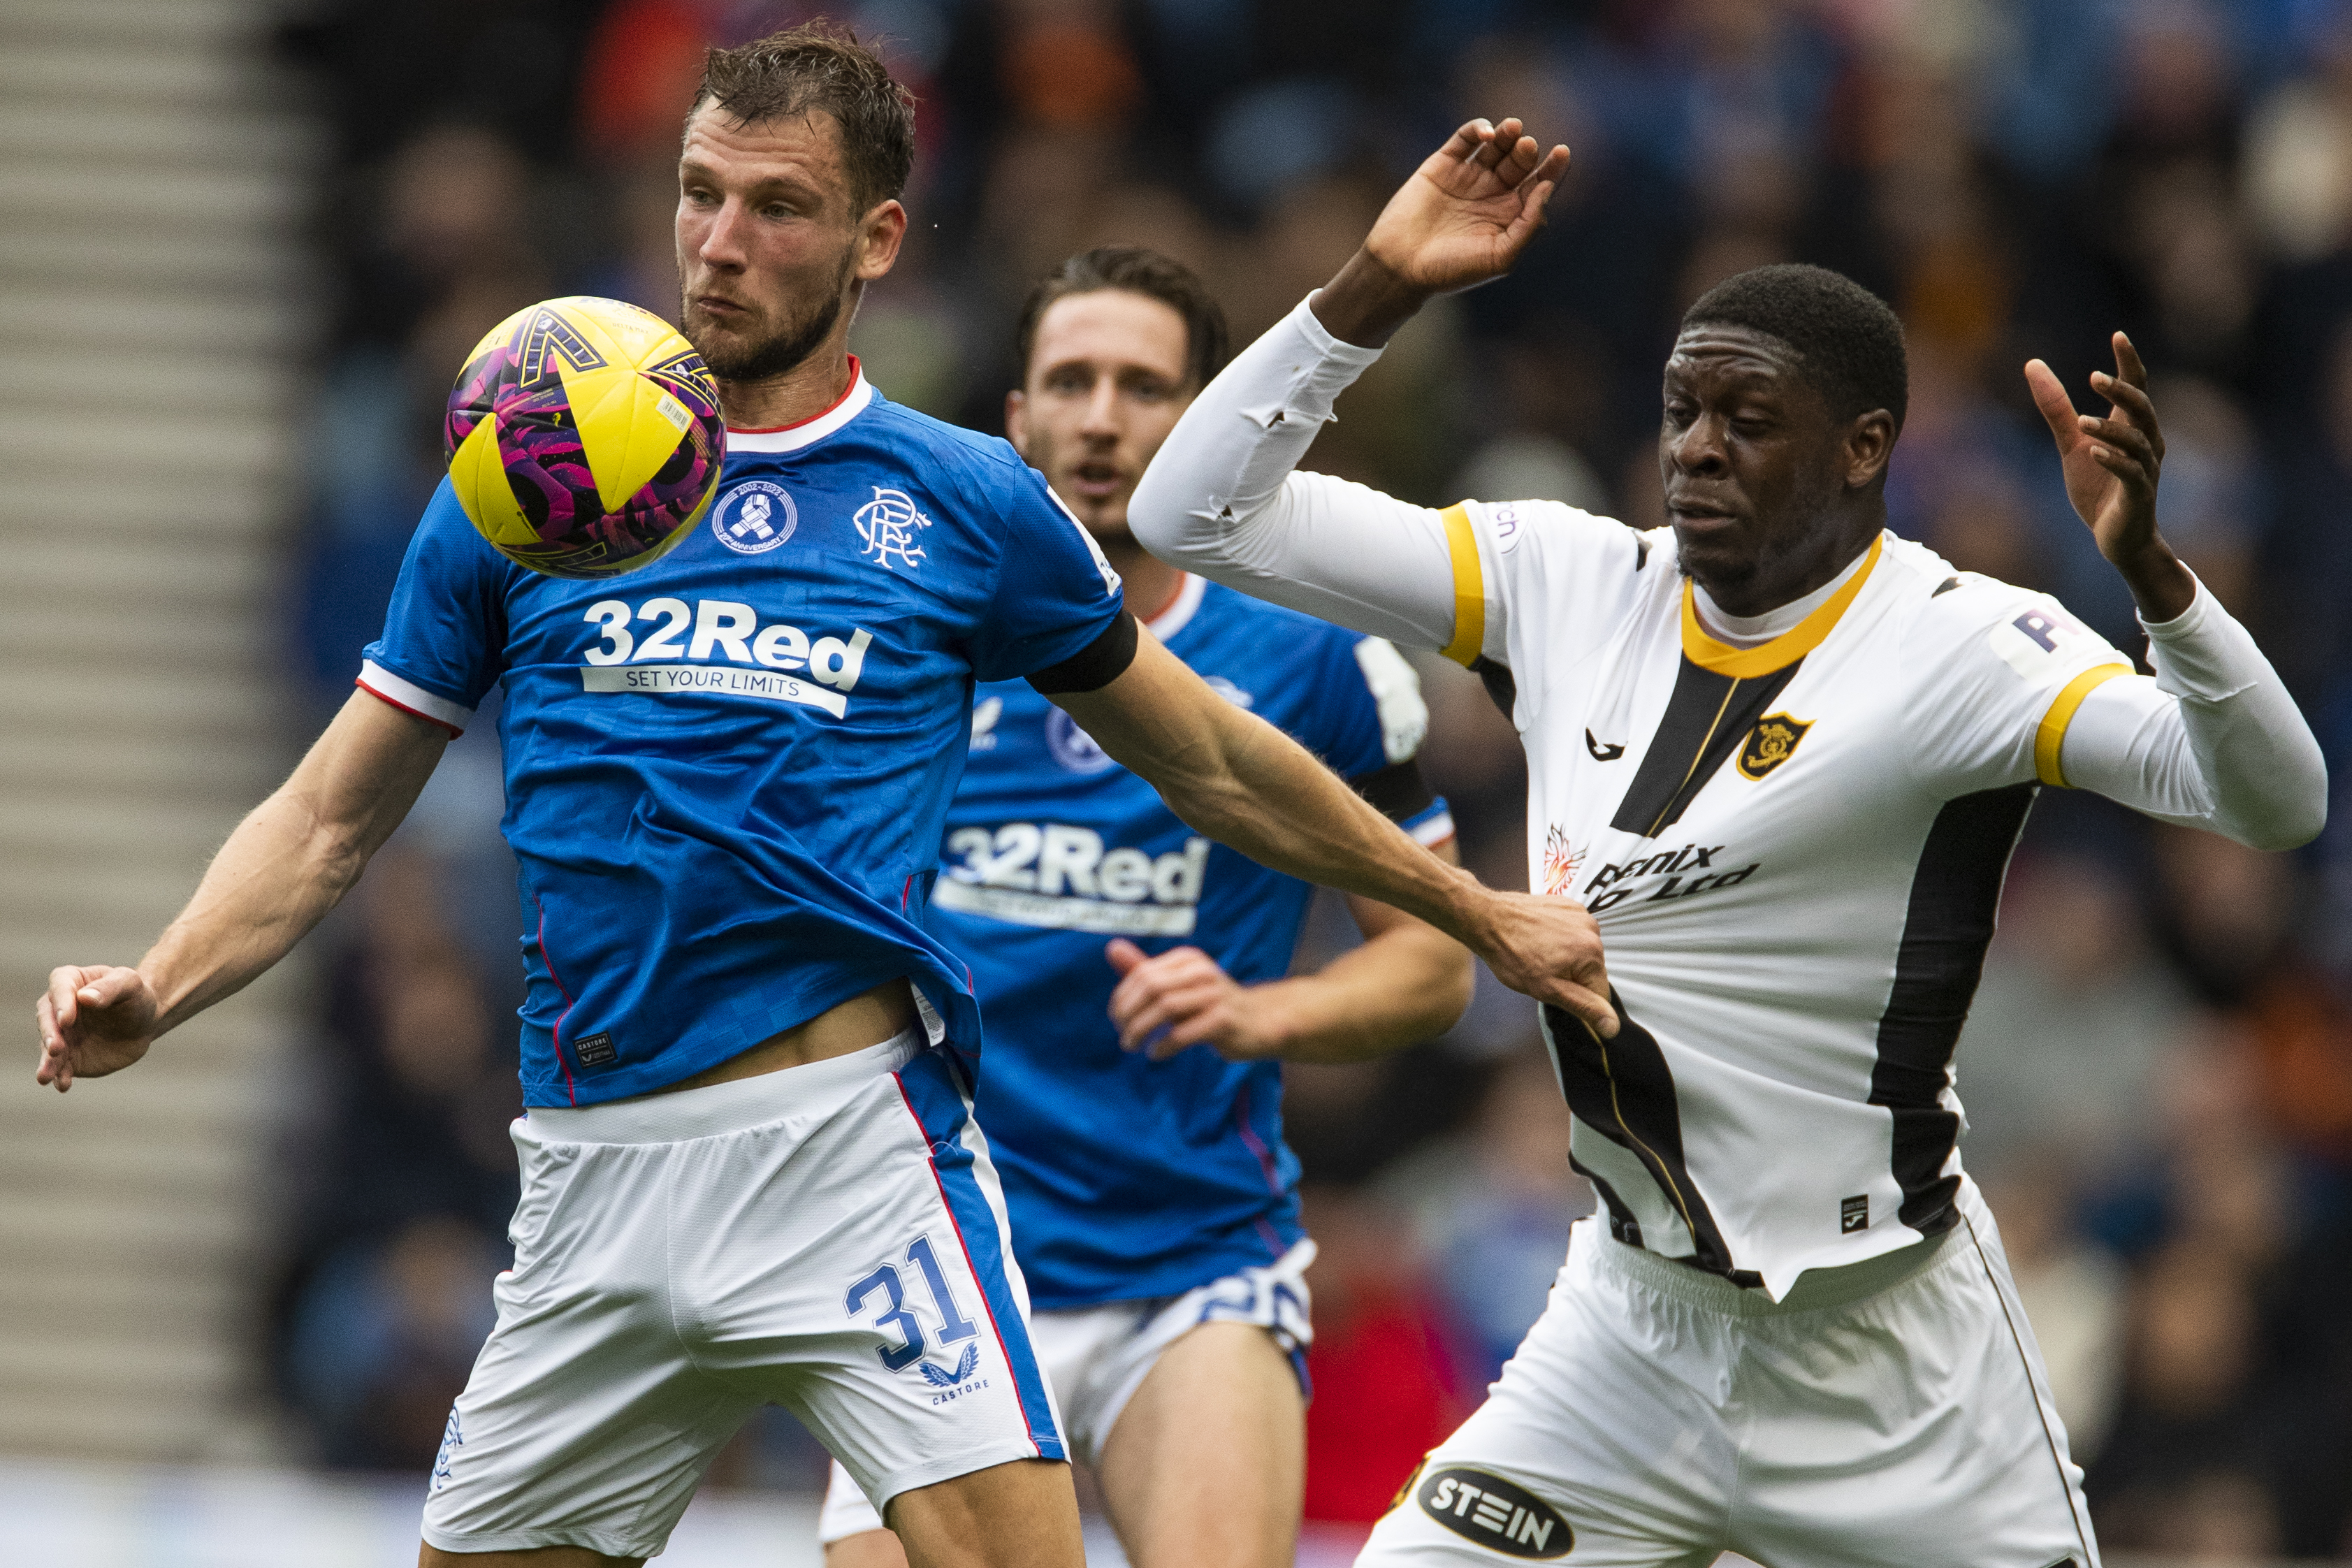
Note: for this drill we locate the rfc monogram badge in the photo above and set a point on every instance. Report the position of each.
(1768, 744)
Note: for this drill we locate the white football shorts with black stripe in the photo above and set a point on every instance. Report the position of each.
(830, 1239)
(1657, 1416)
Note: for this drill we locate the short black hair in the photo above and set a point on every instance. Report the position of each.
(1139, 271)
(821, 65)
(1848, 343)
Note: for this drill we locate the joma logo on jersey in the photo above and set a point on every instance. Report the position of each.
(1502, 1516)
(814, 674)
(1674, 865)
(1770, 744)
(1060, 876)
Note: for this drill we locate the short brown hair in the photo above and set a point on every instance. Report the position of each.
(820, 66)
(1139, 271)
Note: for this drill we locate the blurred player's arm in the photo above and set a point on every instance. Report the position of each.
(1243, 782)
(1221, 498)
(2214, 741)
(1407, 982)
(288, 863)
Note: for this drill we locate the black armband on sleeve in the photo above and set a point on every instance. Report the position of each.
(1397, 791)
(1093, 667)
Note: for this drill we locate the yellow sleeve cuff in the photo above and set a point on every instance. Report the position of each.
(2051, 738)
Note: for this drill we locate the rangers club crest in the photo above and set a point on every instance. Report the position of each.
(887, 529)
(1768, 744)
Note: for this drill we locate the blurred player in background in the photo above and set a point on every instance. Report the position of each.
(750, 1170)
(1784, 755)
(1133, 1102)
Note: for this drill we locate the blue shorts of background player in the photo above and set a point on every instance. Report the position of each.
(1132, 1089)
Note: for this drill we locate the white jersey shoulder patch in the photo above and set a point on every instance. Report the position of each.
(2040, 640)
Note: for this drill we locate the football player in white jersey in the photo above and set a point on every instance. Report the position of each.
(1783, 755)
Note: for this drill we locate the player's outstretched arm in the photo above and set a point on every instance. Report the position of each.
(1245, 784)
(2214, 741)
(283, 867)
(1220, 496)
(1408, 983)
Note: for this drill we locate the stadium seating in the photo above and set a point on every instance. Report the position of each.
(152, 182)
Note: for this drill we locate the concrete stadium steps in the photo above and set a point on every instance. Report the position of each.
(154, 303)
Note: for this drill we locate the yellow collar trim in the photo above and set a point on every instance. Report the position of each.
(1747, 663)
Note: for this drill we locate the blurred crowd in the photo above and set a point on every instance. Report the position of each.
(2159, 1068)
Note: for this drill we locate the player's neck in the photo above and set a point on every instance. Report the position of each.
(1152, 583)
(803, 392)
(1792, 575)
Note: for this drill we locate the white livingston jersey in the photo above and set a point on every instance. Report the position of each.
(1794, 852)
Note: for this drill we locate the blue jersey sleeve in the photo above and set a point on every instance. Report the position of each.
(1368, 726)
(1054, 592)
(1348, 732)
(444, 643)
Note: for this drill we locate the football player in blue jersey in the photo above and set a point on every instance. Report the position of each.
(750, 1170)
(1132, 1097)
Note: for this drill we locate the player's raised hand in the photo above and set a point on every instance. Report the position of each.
(1462, 220)
(93, 1021)
(2111, 463)
(1184, 998)
(1548, 948)
(1465, 214)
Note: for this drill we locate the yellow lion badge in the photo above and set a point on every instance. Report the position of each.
(1770, 744)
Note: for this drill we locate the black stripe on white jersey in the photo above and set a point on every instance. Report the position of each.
(1955, 893)
(1622, 1089)
(1706, 720)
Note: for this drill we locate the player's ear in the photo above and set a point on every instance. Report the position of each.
(1016, 420)
(879, 234)
(1869, 443)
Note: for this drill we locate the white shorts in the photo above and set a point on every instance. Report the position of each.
(1096, 1357)
(830, 1239)
(1897, 1412)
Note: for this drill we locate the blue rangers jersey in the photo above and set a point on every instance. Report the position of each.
(1128, 1178)
(728, 771)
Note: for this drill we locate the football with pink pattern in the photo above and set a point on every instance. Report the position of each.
(585, 436)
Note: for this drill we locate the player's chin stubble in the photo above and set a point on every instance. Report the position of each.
(779, 353)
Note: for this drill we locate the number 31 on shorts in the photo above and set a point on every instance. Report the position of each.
(892, 1315)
